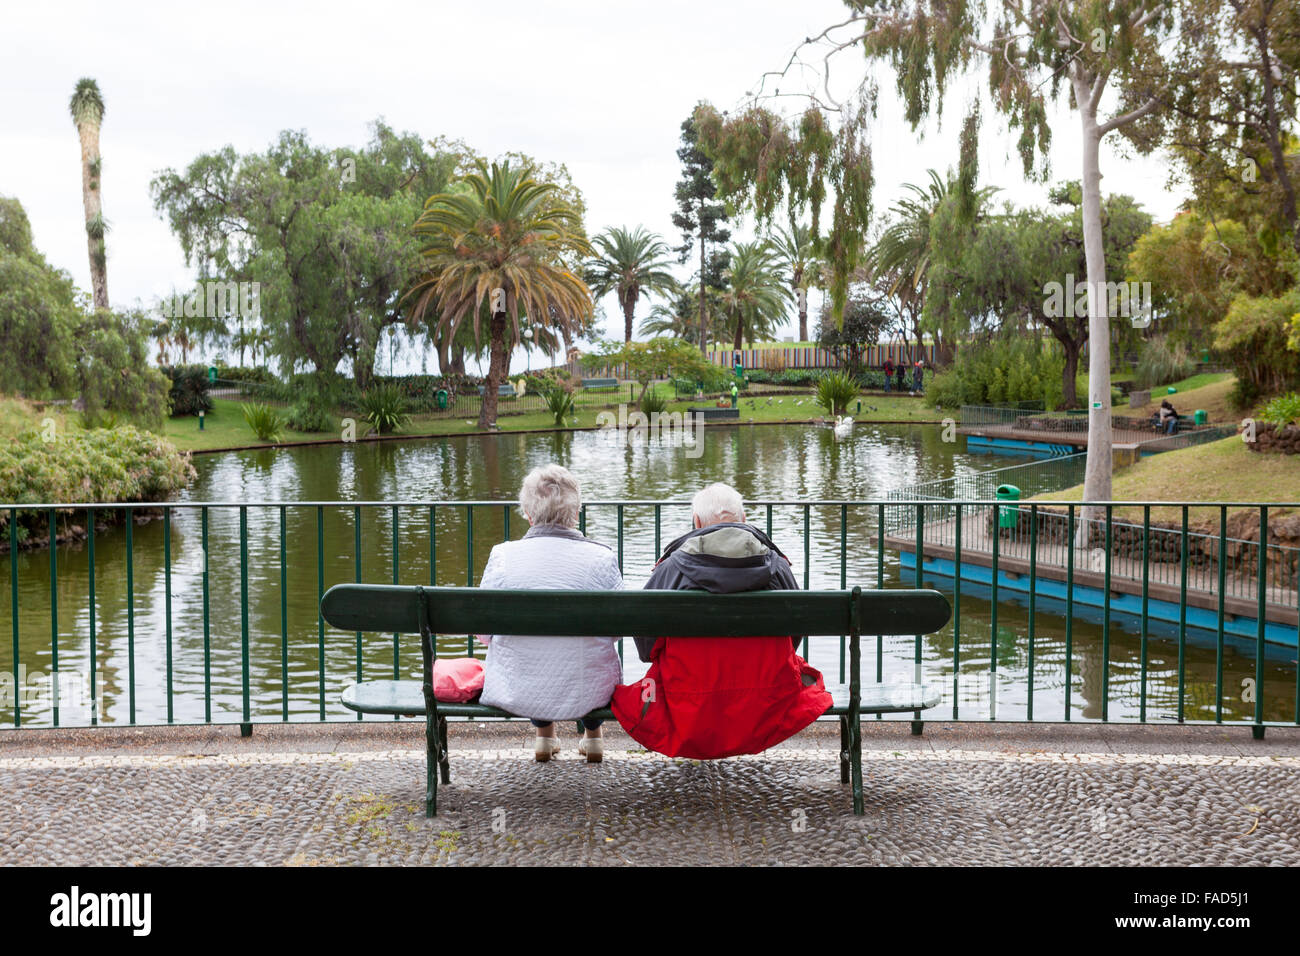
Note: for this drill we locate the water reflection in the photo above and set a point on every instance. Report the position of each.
(298, 668)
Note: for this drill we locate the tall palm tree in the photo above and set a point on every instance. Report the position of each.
(87, 109)
(798, 255)
(755, 297)
(501, 242)
(631, 263)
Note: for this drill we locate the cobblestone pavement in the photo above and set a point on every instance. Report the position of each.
(317, 795)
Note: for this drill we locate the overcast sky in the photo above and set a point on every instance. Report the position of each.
(601, 87)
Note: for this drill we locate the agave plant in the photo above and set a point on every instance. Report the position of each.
(835, 391)
(559, 402)
(653, 401)
(384, 408)
(265, 421)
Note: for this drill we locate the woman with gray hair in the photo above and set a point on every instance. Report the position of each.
(552, 678)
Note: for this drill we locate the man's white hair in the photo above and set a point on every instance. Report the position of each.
(550, 495)
(718, 502)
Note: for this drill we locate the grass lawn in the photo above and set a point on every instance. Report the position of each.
(1218, 471)
(877, 408)
(224, 426)
(1209, 392)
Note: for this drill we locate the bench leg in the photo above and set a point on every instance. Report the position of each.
(855, 756)
(431, 760)
(445, 762)
(917, 727)
(844, 749)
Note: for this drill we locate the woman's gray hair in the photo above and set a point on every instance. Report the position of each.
(550, 495)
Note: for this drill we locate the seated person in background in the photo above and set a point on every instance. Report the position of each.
(1168, 417)
(707, 697)
(552, 678)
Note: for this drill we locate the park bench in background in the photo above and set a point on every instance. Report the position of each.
(504, 390)
(393, 609)
(600, 384)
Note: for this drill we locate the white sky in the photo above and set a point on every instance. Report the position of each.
(602, 87)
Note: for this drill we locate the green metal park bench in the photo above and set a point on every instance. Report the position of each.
(599, 384)
(425, 610)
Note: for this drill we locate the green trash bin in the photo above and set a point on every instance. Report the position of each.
(1008, 516)
(1201, 417)
(1171, 390)
(441, 398)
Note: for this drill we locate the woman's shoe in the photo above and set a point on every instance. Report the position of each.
(593, 748)
(544, 747)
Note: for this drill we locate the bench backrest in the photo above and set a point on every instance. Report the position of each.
(398, 609)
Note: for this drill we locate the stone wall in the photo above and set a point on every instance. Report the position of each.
(1269, 439)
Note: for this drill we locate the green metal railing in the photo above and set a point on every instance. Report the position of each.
(840, 540)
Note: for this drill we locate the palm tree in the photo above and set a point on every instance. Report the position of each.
(901, 255)
(87, 109)
(797, 253)
(502, 241)
(632, 264)
(755, 297)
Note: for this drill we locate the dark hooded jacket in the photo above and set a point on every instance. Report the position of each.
(720, 561)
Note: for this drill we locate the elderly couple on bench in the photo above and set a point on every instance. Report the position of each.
(703, 697)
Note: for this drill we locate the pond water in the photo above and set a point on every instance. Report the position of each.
(138, 657)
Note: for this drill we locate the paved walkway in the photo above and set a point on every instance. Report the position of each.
(352, 793)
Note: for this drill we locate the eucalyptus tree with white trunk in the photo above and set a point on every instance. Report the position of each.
(1105, 54)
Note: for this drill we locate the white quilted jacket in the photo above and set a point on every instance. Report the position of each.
(551, 678)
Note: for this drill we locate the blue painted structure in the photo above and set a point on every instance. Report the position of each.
(1282, 635)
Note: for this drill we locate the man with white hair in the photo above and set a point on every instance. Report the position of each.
(707, 697)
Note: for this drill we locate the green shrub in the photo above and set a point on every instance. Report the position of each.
(1003, 371)
(652, 401)
(385, 408)
(1281, 411)
(835, 391)
(189, 391)
(238, 373)
(122, 464)
(266, 422)
(1161, 363)
(310, 415)
(559, 402)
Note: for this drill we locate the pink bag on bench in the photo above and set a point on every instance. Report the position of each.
(457, 680)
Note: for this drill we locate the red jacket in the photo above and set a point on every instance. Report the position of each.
(708, 697)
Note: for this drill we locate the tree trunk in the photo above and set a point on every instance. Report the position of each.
(740, 332)
(458, 359)
(704, 335)
(497, 366)
(93, 207)
(444, 354)
(1069, 394)
(1097, 475)
(629, 306)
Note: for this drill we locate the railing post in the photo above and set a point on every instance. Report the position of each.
(1069, 607)
(130, 613)
(167, 587)
(1257, 731)
(246, 726)
(54, 620)
(284, 621)
(90, 614)
(13, 607)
